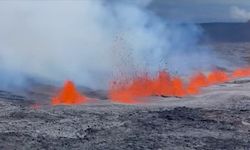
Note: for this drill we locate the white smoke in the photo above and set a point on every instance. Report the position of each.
(240, 14)
(87, 41)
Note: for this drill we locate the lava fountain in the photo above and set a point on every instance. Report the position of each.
(68, 95)
(136, 89)
(165, 85)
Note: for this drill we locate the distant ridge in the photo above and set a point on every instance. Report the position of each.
(227, 32)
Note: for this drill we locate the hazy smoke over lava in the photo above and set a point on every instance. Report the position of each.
(90, 41)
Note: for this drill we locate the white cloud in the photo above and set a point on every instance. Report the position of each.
(90, 41)
(240, 14)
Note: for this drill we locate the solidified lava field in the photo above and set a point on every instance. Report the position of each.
(216, 119)
(173, 71)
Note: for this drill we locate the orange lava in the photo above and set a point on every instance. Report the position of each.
(178, 87)
(140, 87)
(217, 77)
(132, 92)
(165, 85)
(196, 83)
(241, 73)
(162, 85)
(68, 95)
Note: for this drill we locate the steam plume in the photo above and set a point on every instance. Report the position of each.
(89, 41)
(240, 14)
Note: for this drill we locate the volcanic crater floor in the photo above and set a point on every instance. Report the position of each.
(218, 118)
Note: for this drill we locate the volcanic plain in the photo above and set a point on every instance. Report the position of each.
(217, 118)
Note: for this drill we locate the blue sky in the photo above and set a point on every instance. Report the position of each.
(201, 10)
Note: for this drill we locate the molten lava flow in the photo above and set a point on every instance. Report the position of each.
(139, 87)
(241, 73)
(196, 83)
(217, 76)
(165, 85)
(162, 85)
(132, 92)
(68, 95)
(178, 88)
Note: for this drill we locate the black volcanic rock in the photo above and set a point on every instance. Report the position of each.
(213, 120)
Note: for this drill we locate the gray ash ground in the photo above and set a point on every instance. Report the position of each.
(219, 118)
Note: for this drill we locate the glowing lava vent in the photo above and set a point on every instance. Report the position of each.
(165, 85)
(68, 95)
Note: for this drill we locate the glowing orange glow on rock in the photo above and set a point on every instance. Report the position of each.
(241, 73)
(134, 90)
(131, 92)
(178, 88)
(68, 95)
(217, 76)
(196, 83)
(144, 86)
(162, 85)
